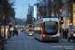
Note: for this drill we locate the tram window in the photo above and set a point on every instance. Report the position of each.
(50, 27)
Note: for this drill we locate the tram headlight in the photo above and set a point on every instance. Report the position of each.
(58, 35)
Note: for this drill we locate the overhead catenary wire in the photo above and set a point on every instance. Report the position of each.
(24, 11)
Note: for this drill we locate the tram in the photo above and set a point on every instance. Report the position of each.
(47, 29)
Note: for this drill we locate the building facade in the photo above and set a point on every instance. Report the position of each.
(30, 14)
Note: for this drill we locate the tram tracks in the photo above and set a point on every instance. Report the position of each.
(50, 44)
(34, 45)
(60, 46)
(24, 45)
(16, 44)
(40, 42)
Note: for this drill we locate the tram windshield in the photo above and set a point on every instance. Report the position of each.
(51, 28)
(30, 27)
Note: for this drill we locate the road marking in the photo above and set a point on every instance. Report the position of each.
(60, 44)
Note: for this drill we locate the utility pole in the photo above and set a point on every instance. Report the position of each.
(61, 33)
(61, 10)
(4, 28)
(4, 24)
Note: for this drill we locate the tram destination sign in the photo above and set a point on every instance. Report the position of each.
(50, 22)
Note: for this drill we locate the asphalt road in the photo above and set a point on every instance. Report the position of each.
(25, 42)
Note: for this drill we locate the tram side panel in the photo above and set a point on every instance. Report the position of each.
(37, 31)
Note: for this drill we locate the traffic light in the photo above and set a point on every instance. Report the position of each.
(10, 24)
(74, 30)
(62, 21)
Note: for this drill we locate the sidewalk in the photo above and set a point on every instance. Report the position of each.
(11, 44)
(66, 40)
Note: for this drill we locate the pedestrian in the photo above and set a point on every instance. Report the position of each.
(70, 37)
(15, 32)
(64, 33)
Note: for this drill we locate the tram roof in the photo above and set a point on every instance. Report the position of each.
(31, 24)
(47, 19)
(50, 19)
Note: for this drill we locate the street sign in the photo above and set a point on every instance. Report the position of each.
(70, 27)
(61, 10)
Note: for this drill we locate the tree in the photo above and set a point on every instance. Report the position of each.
(6, 10)
(57, 4)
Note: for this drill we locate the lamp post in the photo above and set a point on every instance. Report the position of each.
(61, 28)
